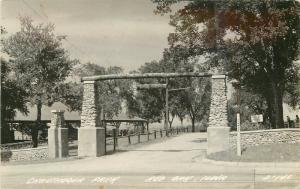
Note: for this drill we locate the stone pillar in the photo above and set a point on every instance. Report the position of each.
(218, 130)
(58, 136)
(91, 137)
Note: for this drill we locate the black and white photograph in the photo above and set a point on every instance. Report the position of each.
(150, 94)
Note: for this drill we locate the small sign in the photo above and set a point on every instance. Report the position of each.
(257, 118)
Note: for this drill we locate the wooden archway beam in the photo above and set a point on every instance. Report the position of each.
(148, 75)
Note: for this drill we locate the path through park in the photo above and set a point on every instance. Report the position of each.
(176, 162)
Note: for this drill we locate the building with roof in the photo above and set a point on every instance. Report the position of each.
(121, 122)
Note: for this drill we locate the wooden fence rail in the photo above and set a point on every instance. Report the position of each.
(169, 132)
(21, 145)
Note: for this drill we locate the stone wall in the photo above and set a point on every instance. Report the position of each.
(254, 138)
(218, 106)
(29, 154)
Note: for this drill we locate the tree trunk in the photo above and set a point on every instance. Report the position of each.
(171, 121)
(275, 108)
(193, 124)
(6, 136)
(117, 132)
(35, 129)
(147, 126)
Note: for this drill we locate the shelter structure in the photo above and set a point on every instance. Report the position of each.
(139, 124)
(21, 122)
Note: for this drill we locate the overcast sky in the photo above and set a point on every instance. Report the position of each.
(122, 33)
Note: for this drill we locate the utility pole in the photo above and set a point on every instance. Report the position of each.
(160, 86)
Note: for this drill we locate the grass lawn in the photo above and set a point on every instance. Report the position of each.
(262, 153)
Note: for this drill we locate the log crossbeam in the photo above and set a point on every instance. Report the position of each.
(148, 75)
(152, 86)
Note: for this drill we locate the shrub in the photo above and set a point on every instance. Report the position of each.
(5, 155)
(248, 126)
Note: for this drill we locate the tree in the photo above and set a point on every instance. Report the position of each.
(39, 63)
(111, 93)
(260, 36)
(147, 104)
(13, 97)
(251, 104)
(197, 100)
(70, 94)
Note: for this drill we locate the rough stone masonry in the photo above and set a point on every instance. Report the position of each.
(91, 137)
(218, 106)
(218, 130)
(90, 112)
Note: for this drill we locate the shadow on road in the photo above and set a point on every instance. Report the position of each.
(200, 140)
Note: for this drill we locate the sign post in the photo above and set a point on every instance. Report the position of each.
(238, 118)
(238, 136)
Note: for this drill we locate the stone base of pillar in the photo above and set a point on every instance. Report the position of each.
(91, 142)
(217, 139)
(58, 142)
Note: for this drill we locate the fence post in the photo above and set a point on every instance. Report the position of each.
(160, 133)
(129, 142)
(114, 138)
(148, 135)
(154, 134)
(177, 130)
(58, 136)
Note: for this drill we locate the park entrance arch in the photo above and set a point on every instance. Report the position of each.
(91, 134)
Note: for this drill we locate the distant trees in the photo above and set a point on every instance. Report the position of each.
(192, 101)
(111, 93)
(197, 100)
(147, 104)
(39, 63)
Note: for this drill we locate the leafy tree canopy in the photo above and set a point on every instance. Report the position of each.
(256, 41)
